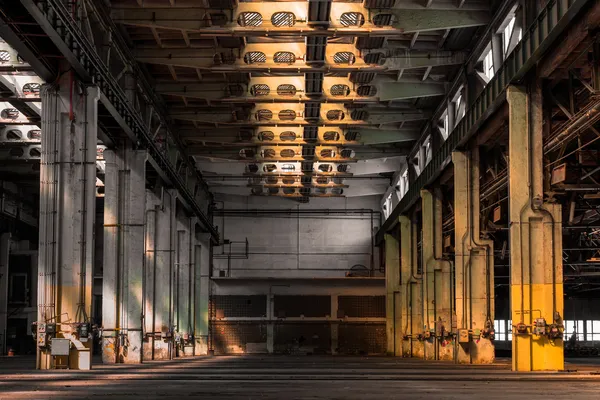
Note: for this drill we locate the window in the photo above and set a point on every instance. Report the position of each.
(459, 108)
(387, 206)
(288, 167)
(508, 33)
(574, 328)
(488, 65)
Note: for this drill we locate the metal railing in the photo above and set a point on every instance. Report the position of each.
(549, 24)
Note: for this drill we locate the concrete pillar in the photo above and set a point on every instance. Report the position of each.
(4, 271)
(201, 293)
(334, 326)
(122, 283)
(160, 260)
(474, 260)
(535, 242)
(437, 281)
(67, 213)
(184, 282)
(411, 286)
(393, 307)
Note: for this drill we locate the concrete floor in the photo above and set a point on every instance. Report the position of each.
(286, 377)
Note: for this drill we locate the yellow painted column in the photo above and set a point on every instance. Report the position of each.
(393, 298)
(474, 271)
(535, 242)
(437, 284)
(411, 283)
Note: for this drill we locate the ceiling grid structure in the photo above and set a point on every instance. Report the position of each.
(317, 98)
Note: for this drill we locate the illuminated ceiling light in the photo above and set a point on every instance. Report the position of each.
(250, 18)
(325, 168)
(267, 153)
(283, 18)
(344, 57)
(287, 136)
(340, 90)
(287, 115)
(327, 153)
(288, 167)
(284, 57)
(331, 136)
(264, 115)
(9, 113)
(270, 168)
(286, 90)
(4, 56)
(287, 153)
(32, 89)
(255, 57)
(260, 90)
(335, 115)
(266, 136)
(352, 19)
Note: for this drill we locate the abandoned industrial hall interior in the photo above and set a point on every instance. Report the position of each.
(300, 199)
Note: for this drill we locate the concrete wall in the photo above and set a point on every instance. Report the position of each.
(294, 245)
(292, 254)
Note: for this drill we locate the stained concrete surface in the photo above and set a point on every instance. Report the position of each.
(287, 377)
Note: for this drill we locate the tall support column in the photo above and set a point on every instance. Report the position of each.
(535, 242)
(474, 266)
(4, 266)
(437, 283)
(124, 220)
(67, 212)
(393, 308)
(411, 286)
(201, 293)
(184, 278)
(160, 260)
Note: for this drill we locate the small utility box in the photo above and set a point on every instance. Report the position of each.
(60, 347)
